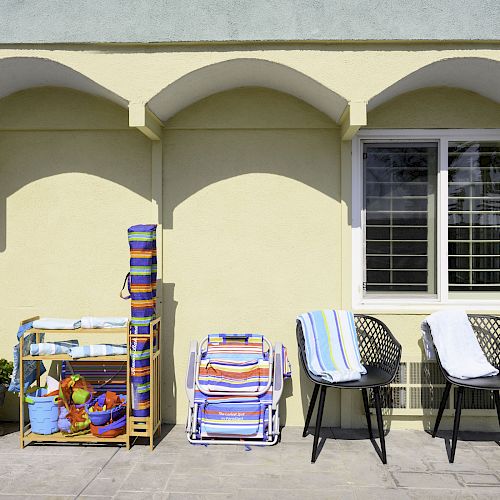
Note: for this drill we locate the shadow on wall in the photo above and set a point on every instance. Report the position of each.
(248, 131)
(54, 131)
(169, 383)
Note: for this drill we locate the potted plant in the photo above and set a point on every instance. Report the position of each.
(6, 368)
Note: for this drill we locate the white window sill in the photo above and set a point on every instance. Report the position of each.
(404, 306)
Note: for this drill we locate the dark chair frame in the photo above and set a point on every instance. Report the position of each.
(487, 330)
(380, 355)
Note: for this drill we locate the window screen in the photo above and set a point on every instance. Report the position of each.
(474, 216)
(400, 215)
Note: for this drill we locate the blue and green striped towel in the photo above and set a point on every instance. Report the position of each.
(89, 351)
(47, 348)
(331, 343)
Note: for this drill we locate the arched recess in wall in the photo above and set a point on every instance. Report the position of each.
(19, 73)
(245, 72)
(479, 75)
(55, 121)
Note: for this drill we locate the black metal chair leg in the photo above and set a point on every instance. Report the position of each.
(380, 423)
(456, 423)
(497, 404)
(310, 409)
(319, 418)
(442, 407)
(367, 412)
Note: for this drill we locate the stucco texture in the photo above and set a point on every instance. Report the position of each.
(254, 184)
(252, 225)
(219, 20)
(67, 197)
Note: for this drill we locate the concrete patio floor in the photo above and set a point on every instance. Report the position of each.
(347, 468)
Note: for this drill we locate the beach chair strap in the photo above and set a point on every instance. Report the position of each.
(127, 282)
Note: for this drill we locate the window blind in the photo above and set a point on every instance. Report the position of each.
(474, 216)
(400, 209)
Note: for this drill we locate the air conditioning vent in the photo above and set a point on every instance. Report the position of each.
(418, 389)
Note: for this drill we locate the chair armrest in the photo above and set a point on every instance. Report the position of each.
(191, 372)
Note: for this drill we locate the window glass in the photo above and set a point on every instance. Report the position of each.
(400, 217)
(474, 216)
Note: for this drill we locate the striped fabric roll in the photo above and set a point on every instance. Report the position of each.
(102, 375)
(140, 372)
(331, 343)
(142, 242)
(142, 286)
(46, 348)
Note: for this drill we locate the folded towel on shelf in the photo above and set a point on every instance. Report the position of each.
(103, 322)
(57, 324)
(89, 351)
(46, 348)
(459, 351)
(331, 343)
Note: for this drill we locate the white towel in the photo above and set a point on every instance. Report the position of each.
(459, 351)
(57, 324)
(103, 322)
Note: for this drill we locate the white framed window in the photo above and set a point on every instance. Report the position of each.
(426, 218)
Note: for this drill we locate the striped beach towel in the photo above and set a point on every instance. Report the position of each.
(89, 351)
(331, 343)
(46, 348)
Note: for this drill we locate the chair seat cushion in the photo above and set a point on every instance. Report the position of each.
(489, 383)
(374, 377)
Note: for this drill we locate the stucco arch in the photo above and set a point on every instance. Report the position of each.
(479, 75)
(20, 73)
(245, 72)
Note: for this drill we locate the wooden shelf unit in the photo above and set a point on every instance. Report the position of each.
(136, 427)
(147, 427)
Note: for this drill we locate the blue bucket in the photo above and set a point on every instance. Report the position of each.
(43, 412)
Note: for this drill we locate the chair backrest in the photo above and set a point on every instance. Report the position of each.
(377, 345)
(487, 330)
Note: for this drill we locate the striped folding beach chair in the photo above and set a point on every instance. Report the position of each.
(234, 384)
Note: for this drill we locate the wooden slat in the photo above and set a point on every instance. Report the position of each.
(67, 357)
(79, 330)
(61, 438)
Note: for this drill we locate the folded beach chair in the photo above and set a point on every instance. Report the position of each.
(234, 384)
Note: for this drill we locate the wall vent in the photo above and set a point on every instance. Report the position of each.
(418, 389)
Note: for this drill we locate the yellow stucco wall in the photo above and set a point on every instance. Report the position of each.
(252, 225)
(66, 200)
(438, 107)
(256, 193)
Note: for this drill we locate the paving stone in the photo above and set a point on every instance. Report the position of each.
(347, 468)
(201, 483)
(479, 479)
(147, 477)
(141, 495)
(426, 480)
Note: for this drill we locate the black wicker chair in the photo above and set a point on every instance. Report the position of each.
(380, 354)
(487, 330)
